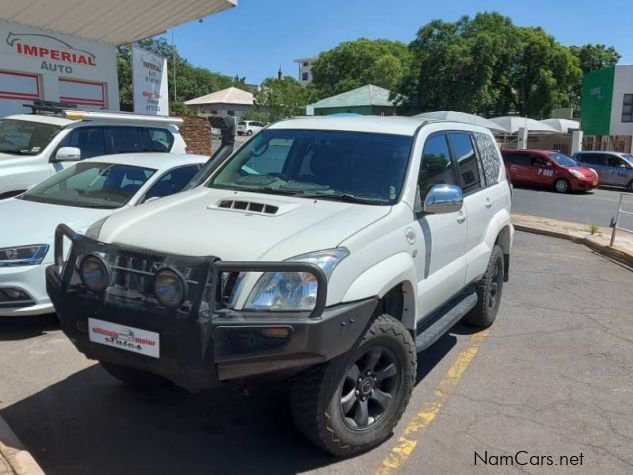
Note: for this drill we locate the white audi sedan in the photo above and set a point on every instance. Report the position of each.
(79, 196)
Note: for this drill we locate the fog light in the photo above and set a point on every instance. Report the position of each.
(276, 332)
(94, 273)
(170, 287)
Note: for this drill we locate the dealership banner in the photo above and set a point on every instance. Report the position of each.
(149, 83)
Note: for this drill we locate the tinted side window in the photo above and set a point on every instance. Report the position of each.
(126, 139)
(539, 161)
(172, 182)
(517, 158)
(158, 140)
(466, 158)
(594, 158)
(90, 140)
(489, 156)
(436, 167)
(614, 161)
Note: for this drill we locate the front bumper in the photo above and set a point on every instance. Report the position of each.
(29, 280)
(584, 184)
(203, 345)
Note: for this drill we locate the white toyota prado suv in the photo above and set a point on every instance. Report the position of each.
(325, 250)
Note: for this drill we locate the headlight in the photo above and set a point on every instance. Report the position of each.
(170, 288)
(23, 255)
(94, 273)
(293, 290)
(576, 173)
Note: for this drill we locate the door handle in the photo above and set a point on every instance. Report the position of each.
(461, 217)
(488, 202)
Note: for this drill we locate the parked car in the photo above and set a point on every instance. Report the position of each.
(326, 249)
(548, 169)
(81, 194)
(249, 127)
(36, 146)
(614, 168)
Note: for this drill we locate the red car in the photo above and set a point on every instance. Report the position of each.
(548, 169)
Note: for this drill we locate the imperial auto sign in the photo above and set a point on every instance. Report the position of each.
(54, 66)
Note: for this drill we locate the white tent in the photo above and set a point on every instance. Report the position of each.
(563, 126)
(463, 118)
(513, 123)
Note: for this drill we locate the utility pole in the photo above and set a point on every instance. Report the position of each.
(173, 52)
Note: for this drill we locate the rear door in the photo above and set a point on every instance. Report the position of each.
(478, 200)
(518, 166)
(598, 162)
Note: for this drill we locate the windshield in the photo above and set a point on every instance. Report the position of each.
(628, 158)
(91, 185)
(563, 160)
(351, 166)
(22, 137)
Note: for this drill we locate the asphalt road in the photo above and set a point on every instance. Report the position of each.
(551, 378)
(596, 207)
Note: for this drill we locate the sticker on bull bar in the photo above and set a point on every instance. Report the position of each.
(123, 337)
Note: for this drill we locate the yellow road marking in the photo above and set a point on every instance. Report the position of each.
(406, 443)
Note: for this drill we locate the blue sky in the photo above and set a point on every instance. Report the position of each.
(258, 36)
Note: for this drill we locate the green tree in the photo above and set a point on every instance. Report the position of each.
(595, 56)
(487, 65)
(356, 63)
(281, 98)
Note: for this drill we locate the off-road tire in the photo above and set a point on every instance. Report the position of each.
(315, 396)
(483, 314)
(134, 377)
(563, 183)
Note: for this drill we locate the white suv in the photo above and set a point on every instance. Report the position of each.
(34, 146)
(326, 250)
(249, 127)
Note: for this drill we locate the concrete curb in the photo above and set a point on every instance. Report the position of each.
(560, 229)
(13, 453)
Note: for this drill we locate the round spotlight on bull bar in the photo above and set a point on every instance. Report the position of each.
(170, 287)
(94, 272)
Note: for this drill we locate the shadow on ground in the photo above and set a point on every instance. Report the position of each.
(91, 424)
(22, 328)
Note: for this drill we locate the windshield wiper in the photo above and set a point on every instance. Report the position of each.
(340, 196)
(15, 151)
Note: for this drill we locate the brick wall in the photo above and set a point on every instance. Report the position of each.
(197, 134)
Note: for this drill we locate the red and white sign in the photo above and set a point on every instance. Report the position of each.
(123, 337)
(149, 82)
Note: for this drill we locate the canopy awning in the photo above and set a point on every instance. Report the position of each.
(514, 123)
(464, 118)
(111, 21)
(564, 126)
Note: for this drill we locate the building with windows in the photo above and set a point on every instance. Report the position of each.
(305, 70)
(227, 102)
(65, 51)
(607, 109)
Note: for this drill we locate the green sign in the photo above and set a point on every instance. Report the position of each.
(596, 100)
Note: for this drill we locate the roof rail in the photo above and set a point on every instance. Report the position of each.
(121, 116)
(39, 106)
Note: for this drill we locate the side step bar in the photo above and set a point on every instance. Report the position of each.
(434, 327)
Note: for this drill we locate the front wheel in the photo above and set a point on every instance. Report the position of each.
(352, 403)
(249, 133)
(562, 186)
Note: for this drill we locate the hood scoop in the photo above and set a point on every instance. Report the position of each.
(247, 207)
